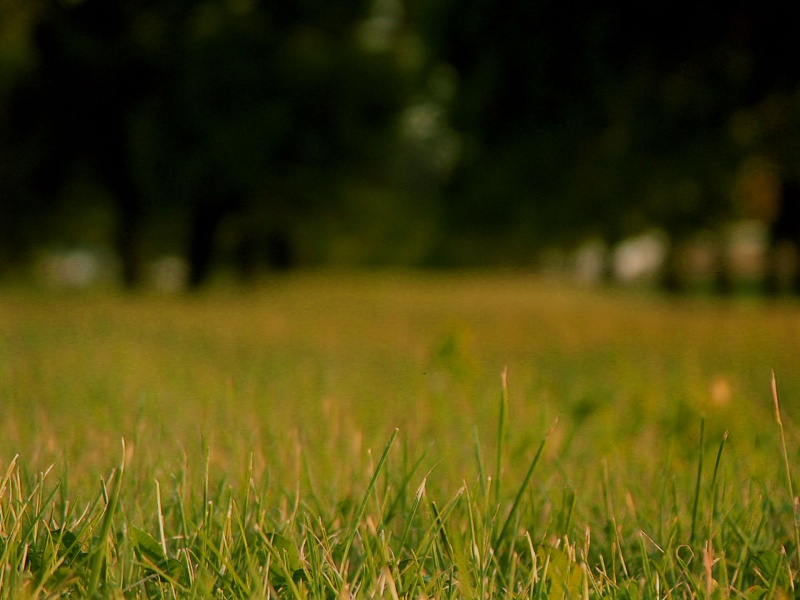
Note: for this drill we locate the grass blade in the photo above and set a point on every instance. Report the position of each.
(696, 504)
(521, 491)
(713, 509)
(100, 553)
(363, 506)
(793, 498)
(501, 435)
(481, 473)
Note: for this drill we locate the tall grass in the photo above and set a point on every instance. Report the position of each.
(327, 436)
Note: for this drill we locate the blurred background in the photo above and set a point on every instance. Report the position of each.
(161, 144)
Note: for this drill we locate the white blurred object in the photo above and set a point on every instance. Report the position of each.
(639, 257)
(748, 242)
(72, 269)
(589, 261)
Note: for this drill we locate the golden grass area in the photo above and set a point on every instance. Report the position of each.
(310, 372)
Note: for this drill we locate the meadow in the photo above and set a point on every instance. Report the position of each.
(398, 435)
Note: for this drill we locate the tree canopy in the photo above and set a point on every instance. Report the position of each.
(384, 131)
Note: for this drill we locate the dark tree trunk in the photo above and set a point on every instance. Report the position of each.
(784, 230)
(722, 283)
(279, 249)
(205, 223)
(670, 280)
(128, 240)
(111, 156)
(260, 250)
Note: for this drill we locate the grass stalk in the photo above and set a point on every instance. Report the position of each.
(696, 503)
(501, 434)
(99, 560)
(713, 509)
(479, 460)
(413, 511)
(363, 506)
(617, 546)
(793, 498)
(161, 535)
(521, 491)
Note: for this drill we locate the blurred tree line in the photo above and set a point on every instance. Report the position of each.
(425, 132)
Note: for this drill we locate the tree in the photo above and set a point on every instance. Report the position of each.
(70, 113)
(271, 115)
(249, 115)
(603, 118)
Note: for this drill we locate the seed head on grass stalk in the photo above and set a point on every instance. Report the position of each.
(794, 499)
(501, 434)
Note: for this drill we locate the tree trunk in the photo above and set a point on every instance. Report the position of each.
(111, 154)
(128, 240)
(205, 222)
(784, 230)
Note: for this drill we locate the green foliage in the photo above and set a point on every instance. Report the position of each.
(375, 132)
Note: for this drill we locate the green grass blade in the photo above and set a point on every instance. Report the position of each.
(479, 460)
(413, 511)
(363, 506)
(713, 509)
(101, 552)
(434, 531)
(501, 435)
(792, 497)
(515, 506)
(696, 504)
(394, 506)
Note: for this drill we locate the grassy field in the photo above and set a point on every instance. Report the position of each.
(397, 435)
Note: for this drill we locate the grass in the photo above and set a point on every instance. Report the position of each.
(398, 435)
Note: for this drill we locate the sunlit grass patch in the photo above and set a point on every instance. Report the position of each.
(460, 436)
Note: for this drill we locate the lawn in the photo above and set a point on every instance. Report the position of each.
(397, 435)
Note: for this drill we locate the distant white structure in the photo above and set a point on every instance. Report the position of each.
(640, 257)
(747, 247)
(80, 268)
(589, 261)
(742, 247)
(75, 268)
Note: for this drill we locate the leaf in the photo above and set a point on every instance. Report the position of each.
(769, 563)
(68, 539)
(70, 546)
(62, 578)
(147, 547)
(285, 558)
(755, 593)
(287, 551)
(177, 571)
(629, 591)
(149, 550)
